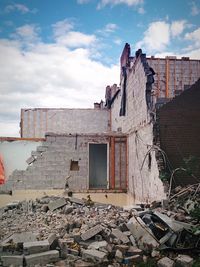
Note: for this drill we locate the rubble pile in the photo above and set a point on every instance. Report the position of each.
(60, 231)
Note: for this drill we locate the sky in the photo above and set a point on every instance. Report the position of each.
(62, 54)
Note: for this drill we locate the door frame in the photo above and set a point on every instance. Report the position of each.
(108, 165)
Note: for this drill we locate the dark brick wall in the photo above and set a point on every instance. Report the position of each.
(179, 131)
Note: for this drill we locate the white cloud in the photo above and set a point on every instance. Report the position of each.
(104, 3)
(48, 75)
(194, 37)
(156, 37)
(111, 27)
(27, 34)
(117, 41)
(60, 28)
(20, 8)
(194, 9)
(177, 27)
(83, 1)
(76, 39)
(141, 10)
(65, 37)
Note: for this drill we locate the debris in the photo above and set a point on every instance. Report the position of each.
(42, 258)
(36, 247)
(91, 232)
(12, 260)
(53, 205)
(69, 232)
(165, 262)
(184, 261)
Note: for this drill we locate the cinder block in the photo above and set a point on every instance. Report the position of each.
(91, 232)
(119, 234)
(42, 258)
(12, 260)
(36, 247)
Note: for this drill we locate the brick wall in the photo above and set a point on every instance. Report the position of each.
(179, 124)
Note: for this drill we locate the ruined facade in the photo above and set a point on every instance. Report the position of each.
(110, 147)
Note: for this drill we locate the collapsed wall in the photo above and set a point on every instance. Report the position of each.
(137, 122)
(76, 161)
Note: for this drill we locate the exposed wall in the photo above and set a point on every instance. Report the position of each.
(15, 152)
(52, 164)
(143, 175)
(173, 75)
(37, 122)
(179, 123)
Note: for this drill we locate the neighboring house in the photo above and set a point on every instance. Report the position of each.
(109, 147)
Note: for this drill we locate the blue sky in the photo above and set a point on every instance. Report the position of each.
(64, 53)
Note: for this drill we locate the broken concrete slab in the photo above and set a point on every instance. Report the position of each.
(19, 238)
(76, 201)
(98, 244)
(184, 261)
(119, 234)
(94, 254)
(12, 260)
(36, 247)
(165, 262)
(142, 234)
(58, 203)
(42, 258)
(67, 209)
(91, 232)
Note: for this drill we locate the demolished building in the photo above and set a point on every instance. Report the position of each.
(110, 147)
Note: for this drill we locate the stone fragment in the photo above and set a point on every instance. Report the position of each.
(155, 253)
(91, 232)
(184, 261)
(98, 244)
(81, 263)
(30, 160)
(42, 258)
(52, 238)
(19, 238)
(53, 205)
(94, 254)
(36, 247)
(119, 255)
(76, 201)
(119, 234)
(67, 209)
(165, 262)
(12, 260)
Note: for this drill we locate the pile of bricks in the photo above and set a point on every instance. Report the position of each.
(59, 231)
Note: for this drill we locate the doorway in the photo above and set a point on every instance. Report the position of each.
(98, 170)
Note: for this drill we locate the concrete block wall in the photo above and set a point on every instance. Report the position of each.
(143, 177)
(136, 109)
(52, 165)
(37, 122)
